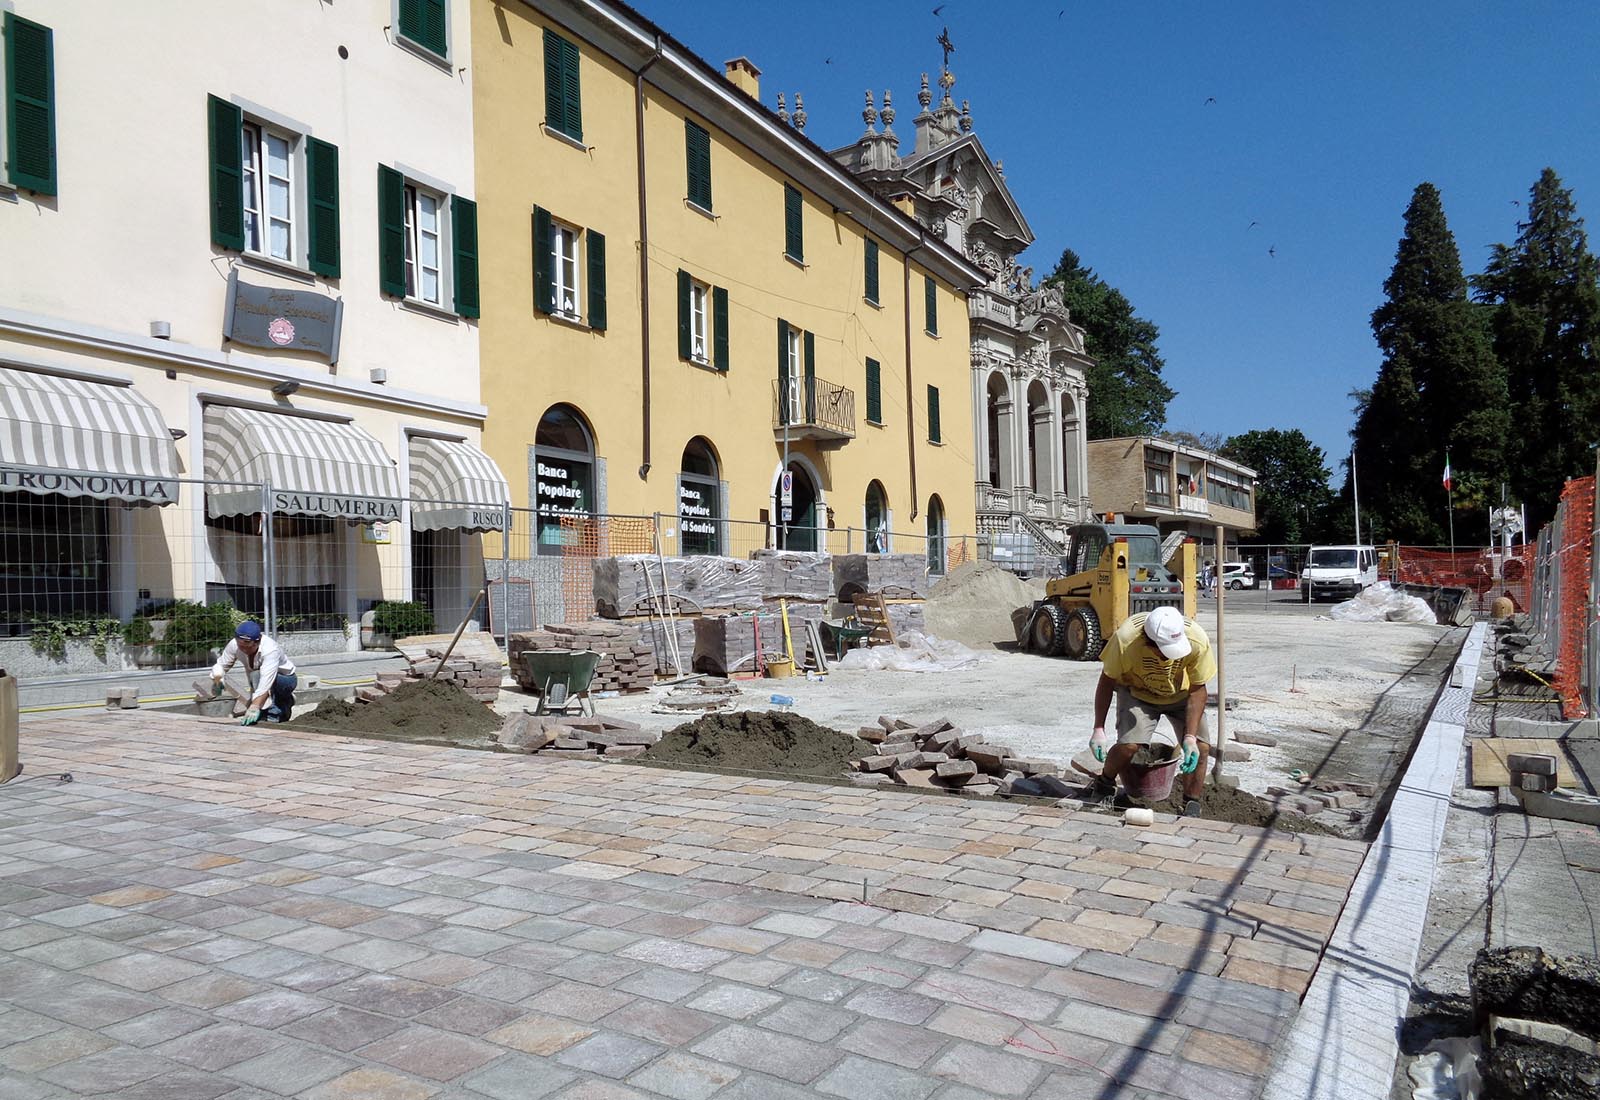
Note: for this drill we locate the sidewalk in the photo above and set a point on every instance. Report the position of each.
(209, 911)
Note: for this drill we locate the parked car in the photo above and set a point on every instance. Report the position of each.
(1237, 575)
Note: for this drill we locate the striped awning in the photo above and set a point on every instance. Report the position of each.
(455, 485)
(79, 438)
(314, 467)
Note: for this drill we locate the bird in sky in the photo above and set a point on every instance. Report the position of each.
(1515, 202)
(1252, 225)
(827, 61)
(938, 9)
(1273, 252)
(1210, 99)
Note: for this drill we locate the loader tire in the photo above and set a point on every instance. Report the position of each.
(1082, 641)
(1049, 630)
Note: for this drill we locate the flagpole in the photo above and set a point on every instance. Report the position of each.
(1355, 494)
(1450, 507)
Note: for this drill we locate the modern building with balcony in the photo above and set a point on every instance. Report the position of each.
(1026, 382)
(1175, 487)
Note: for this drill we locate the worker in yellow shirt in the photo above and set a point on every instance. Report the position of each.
(1157, 664)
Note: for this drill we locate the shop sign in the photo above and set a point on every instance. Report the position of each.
(376, 534)
(561, 490)
(695, 515)
(153, 490)
(369, 509)
(272, 317)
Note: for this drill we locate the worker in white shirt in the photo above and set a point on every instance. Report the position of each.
(268, 669)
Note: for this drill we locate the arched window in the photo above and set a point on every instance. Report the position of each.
(936, 534)
(877, 519)
(563, 482)
(699, 500)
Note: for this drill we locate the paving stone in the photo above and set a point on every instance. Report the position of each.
(507, 984)
(609, 1054)
(891, 1004)
(289, 1069)
(107, 1071)
(219, 1046)
(1025, 947)
(817, 1022)
(470, 1016)
(343, 1028)
(390, 995)
(887, 1041)
(271, 1009)
(371, 1083)
(791, 1059)
(683, 1076)
(858, 1077)
(540, 1034)
(738, 1002)
(661, 984)
(44, 1051)
(518, 1077)
(430, 1053)
(679, 956)
(994, 1072)
(179, 1084)
(577, 1001)
(671, 1026)
(149, 1029)
(818, 985)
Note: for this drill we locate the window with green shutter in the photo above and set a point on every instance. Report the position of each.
(933, 415)
(794, 242)
(783, 372)
(930, 304)
(426, 22)
(872, 271)
(464, 244)
(227, 173)
(874, 392)
(563, 106)
(697, 147)
(322, 197)
(544, 261)
(719, 328)
(391, 232)
(30, 106)
(595, 244)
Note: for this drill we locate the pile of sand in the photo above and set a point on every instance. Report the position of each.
(758, 741)
(973, 604)
(432, 710)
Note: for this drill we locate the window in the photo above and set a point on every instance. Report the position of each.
(1228, 489)
(699, 500)
(876, 514)
(794, 245)
(563, 454)
(422, 255)
(702, 322)
(871, 293)
(563, 108)
(558, 272)
(933, 415)
(791, 373)
(930, 305)
(1158, 484)
(936, 535)
(874, 392)
(274, 192)
(697, 148)
(425, 23)
(29, 141)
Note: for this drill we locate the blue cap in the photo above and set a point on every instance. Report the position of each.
(250, 632)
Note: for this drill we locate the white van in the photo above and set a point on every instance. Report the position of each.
(1338, 571)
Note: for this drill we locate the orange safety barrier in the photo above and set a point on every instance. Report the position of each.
(957, 554)
(585, 538)
(1486, 573)
(1577, 529)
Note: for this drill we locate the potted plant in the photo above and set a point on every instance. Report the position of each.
(393, 619)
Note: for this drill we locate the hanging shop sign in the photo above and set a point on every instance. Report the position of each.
(141, 490)
(272, 318)
(337, 506)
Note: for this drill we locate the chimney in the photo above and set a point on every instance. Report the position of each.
(905, 204)
(744, 76)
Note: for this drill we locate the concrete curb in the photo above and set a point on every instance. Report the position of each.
(1345, 1039)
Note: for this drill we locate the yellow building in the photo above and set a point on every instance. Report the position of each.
(679, 289)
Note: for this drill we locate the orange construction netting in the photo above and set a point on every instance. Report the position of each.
(1486, 573)
(585, 538)
(1576, 550)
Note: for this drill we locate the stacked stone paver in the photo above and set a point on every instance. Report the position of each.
(220, 912)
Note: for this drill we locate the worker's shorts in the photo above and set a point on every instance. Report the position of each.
(1136, 720)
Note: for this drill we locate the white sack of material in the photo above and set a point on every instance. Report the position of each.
(914, 653)
(1382, 602)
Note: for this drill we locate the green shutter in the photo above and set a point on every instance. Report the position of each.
(30, 107)
(464, 243)
(719, 328)
(685, 323)
(227, 172)
(872, 271)
(930, 303)
(563, 107)
(811, 378)
(783, 371)
(793, 228)
(933, 414)
(596, 245)
(874, 392)
(697, 151)
(423, 22)
(544, 264)
(322, 191)
(570, 92)
(391, 232)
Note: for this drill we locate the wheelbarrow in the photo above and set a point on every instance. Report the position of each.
(561, 677)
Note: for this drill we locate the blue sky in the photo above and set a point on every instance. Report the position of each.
(1326, 117)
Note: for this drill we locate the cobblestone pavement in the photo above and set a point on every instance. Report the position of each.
(209, 911)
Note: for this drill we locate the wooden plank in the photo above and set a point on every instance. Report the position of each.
(1489, 768)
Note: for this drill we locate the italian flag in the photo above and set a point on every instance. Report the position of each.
(1447, 485)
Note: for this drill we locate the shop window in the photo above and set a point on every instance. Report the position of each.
(699, 500)
(563, 453)
(53, 559)
(877, 519)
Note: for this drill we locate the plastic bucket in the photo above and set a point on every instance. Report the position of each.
(780, 668)
(1151, 781)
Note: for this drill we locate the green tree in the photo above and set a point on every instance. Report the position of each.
(1439, 390)
(1546, 322)
(1292, 494)
(1127, 395)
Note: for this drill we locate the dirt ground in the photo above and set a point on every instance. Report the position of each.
(418, 711)
(759, 741)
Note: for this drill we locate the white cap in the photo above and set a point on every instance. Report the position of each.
(1164, 627)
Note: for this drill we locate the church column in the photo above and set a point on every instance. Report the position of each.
(1016, 389)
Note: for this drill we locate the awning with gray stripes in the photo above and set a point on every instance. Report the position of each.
(455, 485)
(80, 438)
(314, 467)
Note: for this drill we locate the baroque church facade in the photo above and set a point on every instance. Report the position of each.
(1029, 394)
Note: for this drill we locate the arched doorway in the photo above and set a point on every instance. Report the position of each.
(876, 516)
(1071, 476)
(563, 475)
(799, 530)
(1038, 438)
(936, 535)
(699, 500)
(998, 418)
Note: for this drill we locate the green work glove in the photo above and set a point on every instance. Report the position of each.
(251, 716)
(216, 688)
(1191, 756)
(1097, 743)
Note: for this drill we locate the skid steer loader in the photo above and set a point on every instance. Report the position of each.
(1113, 570)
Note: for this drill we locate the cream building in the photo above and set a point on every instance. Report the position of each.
(244, 259)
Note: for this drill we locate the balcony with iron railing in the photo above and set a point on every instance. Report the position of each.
(813, 408)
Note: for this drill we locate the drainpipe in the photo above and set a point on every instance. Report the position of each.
(911, 422)
(644, 263)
